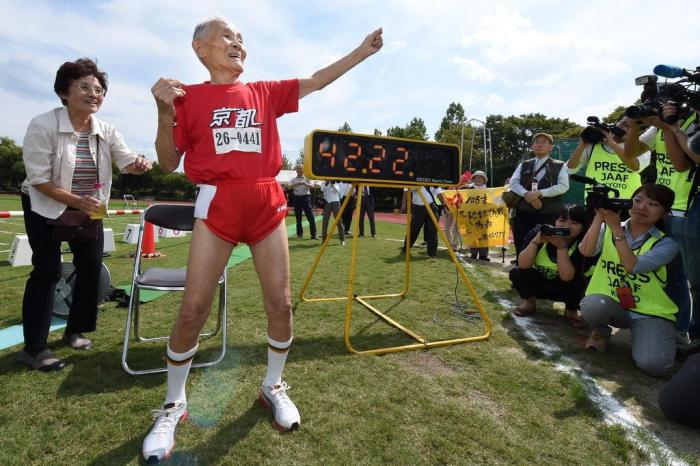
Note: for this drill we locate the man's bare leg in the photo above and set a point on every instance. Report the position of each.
(271, 259)
(207, 258)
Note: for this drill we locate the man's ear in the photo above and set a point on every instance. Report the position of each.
(199, 48)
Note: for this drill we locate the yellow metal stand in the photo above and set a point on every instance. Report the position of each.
(350, 297)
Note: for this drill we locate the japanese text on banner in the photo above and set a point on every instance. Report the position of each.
(482, 217)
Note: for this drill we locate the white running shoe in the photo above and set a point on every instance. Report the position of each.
(160, 441)
(286, 415)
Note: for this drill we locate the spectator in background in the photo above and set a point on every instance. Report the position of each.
(420, 219)
(541, 182)
(349, 209)
(331, 194)
(551, 266)
(628, 288)
(301, 190)
(479, 180)
(60, 150)
(367, 207)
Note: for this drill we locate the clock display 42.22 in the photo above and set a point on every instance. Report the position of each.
(377, 159)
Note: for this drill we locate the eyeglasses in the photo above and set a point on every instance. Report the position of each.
(86, 88)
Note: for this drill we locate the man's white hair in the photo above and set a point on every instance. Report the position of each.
(201, 30)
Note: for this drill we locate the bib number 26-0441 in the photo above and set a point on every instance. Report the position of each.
(241, 139)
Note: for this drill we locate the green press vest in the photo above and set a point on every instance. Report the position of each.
(546, 266)
(608, 169)
(667, 175)
(647, 288)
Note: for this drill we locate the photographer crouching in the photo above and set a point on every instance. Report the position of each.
(628, 288)
(551, 266)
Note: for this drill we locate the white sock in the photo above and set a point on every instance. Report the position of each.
(276, 357)
(178, 369)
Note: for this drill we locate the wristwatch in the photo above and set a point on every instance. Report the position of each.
(619, 237)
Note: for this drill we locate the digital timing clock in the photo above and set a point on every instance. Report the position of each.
(332, 155)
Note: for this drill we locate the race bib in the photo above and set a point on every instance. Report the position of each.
(241, 139)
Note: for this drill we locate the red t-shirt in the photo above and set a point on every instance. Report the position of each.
(229, 131)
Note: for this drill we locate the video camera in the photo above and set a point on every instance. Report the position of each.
(591, 135)
(549, 230)
(682, 93)
(599, 195)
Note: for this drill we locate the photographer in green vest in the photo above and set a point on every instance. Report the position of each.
(551, 266)
(675, 169)
(628, 286)
(604, 156)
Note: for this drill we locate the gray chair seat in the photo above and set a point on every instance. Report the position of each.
(157, 276)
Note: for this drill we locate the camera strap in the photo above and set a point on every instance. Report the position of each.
(534, 175)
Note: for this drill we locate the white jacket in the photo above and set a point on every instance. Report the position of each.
(49, 155)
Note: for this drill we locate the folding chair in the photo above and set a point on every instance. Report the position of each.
(174, 217)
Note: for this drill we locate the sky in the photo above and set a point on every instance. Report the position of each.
(562, 59)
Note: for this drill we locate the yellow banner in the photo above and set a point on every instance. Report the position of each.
(482, 217)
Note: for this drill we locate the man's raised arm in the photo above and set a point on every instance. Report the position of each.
(323, 77)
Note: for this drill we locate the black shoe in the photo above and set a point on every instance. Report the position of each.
(487, 259)
(314, 237)
(44, 361)
(300, 236)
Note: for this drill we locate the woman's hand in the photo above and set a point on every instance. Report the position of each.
(611, 219)
(139, 167)
(89, 205)
(557, 241)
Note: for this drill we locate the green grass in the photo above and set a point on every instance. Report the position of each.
(494, 402)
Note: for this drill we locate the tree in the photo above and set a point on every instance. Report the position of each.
(345, 128)
(615, 115)
(450, 130)
(286, 164)
(377, 132)
(299, 160)
(12, 171)
(414, 130)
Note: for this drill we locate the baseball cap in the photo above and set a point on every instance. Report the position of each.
(545, 135)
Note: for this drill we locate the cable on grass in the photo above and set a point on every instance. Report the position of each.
(454, 312)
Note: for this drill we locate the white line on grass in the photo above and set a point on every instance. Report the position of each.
(613, 411)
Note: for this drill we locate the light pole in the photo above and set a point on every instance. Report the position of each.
(484, 129)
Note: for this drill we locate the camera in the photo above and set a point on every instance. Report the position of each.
(599, 195)
(591, 135)
(682, 93)
(598, 198)
(549, 230)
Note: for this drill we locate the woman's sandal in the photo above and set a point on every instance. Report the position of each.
(597, 343)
